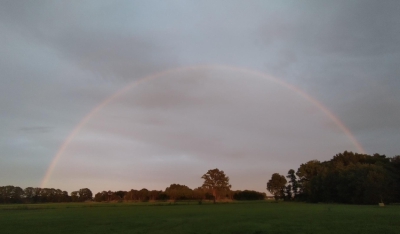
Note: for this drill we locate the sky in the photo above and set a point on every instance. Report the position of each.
(249, 87)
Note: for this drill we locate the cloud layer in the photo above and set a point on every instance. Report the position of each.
(59, 60)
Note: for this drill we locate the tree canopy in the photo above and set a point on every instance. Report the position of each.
(347, 178)
(276, 185)
(216, 181)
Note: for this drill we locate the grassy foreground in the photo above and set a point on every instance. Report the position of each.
(241, 217)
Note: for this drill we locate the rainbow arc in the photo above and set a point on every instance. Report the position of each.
(136, 83)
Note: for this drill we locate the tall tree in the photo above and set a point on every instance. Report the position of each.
(306, 173)
(293, 182)
(288, 192)
(216, 181)
(276, 185)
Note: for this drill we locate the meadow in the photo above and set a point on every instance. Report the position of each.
(190, 217)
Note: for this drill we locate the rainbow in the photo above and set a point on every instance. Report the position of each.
(133, 84)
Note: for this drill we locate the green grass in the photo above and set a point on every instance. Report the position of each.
(240, 217)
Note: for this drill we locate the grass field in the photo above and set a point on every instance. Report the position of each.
(240, 217)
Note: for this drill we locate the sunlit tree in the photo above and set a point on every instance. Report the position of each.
(217, 182)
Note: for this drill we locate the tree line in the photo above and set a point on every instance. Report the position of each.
(215, 187)
(347, 178)
(15, 194)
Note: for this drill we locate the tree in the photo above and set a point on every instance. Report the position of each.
(306, 173)
(85, 194)
(276, 185)
(293, 183)
(132, 195)
(74, 196)
(288, 192)
(11, 194)
(36, 194)
(350, 178)
(120, 194)
(179, 192)
(156, 195)
(216, 181)
(101, 196)
(364, 184)
(144, 194)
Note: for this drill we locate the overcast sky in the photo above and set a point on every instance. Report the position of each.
(61, 59)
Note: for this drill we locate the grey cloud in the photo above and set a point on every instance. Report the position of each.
(346, 56)
(356, 28)
(59, 60)
(364, 29)
(125, 54)
(113, 57)
(37, 129)
(246, 124)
